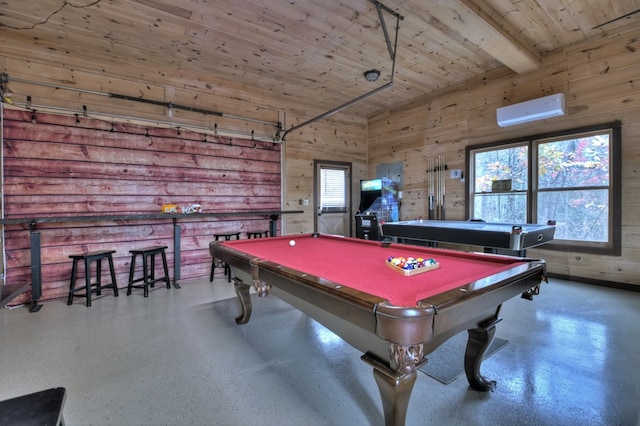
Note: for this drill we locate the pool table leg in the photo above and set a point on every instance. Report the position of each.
(479, 340)
(395, 391)
(242, 291)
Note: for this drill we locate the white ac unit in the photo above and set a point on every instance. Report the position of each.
(535, 109)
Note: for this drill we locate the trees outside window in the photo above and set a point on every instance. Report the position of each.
(574, 186)
(501, 164)
(571, 178)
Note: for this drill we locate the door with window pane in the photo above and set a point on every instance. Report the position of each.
(333, 198)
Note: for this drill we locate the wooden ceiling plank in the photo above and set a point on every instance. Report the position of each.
(519, 16)
(307, 36)
(306, 55)
(25, 14)
(171, 9)
(473, 23)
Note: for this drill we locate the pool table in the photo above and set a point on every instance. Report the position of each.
(395, 318)
(502, 238)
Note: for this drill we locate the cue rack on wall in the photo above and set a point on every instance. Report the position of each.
(436, 168)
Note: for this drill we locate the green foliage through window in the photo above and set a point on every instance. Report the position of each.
(571, 178)
(573, 186)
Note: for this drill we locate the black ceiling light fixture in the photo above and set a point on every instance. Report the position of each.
(372, 75)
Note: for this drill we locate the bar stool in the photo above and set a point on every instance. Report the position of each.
(227, 237)
(148, 268)
(97, 257)
(257, 234)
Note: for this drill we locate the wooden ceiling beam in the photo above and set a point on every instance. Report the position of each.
(471, 19)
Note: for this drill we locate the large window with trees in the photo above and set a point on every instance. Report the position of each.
(571, 178)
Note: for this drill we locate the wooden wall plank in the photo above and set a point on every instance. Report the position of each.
(598, 78)
(60, 166)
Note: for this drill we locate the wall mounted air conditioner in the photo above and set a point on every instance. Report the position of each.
(535, 109)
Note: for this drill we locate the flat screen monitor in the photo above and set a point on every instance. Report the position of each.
(371, 185)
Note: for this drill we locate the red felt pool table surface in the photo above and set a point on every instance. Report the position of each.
(360, 264)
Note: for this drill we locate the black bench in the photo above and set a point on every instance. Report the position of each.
(38, 408)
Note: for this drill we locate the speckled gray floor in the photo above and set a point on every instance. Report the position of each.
(178, 358)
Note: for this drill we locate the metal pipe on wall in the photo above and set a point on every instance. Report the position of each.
(4, 253)
(143, 100)
(339, 108)
(85, 113)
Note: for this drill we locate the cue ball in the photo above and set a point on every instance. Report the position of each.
(292, 243)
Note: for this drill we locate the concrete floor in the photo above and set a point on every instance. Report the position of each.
(178, 358)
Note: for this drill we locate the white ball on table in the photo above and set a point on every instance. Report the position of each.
(292, 243)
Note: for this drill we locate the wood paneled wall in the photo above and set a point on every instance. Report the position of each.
(57, 166)
(600, 81)
(598, 78)
(339, 138)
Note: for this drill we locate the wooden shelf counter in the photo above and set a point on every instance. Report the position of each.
(175, 218)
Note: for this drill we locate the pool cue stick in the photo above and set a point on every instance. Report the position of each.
(439, 188)
(436, 188)
(444, 186)
(433, 182)
(437, 183)
(430, 184)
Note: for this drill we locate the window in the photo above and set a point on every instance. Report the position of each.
(571, 178)
(333, 191)
(574, 185)
(509, 166)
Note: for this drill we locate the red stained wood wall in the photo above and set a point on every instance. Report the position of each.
(60, 166)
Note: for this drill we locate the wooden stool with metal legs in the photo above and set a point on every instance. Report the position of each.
(227, 270)
(88, 258)
(257, 234)
(148, 268)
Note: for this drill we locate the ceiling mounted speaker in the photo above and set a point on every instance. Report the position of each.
(535, 109)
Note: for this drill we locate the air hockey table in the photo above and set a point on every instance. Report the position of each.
(502, 238)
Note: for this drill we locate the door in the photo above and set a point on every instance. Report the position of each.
(332, 197)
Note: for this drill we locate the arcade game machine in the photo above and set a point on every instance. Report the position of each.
(379, 203)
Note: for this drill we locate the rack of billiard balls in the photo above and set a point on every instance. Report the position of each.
(410, 265)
